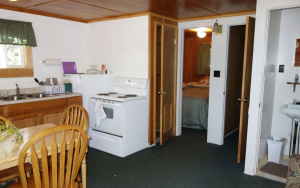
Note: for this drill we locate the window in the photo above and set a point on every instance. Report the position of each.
(11, 56)
(15, 61)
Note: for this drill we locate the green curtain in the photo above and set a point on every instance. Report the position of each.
(203, 59)
(17, 33)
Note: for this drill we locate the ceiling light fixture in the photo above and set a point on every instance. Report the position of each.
(201, 34)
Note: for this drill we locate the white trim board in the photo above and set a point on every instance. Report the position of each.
(258, 74)
(215, 131)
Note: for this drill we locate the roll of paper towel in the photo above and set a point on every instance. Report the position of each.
(51, 62)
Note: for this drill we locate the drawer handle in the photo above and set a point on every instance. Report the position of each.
(105, 138)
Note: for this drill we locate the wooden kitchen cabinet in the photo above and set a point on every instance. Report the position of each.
(30, 114)
(26, 120)
(52, 116)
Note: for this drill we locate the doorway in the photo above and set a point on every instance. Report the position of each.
(234, 78)
(280, 69)
(239, 68)
(196, 77)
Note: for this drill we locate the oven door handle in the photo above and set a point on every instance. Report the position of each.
(108, 104)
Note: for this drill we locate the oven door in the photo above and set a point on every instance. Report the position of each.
(113, 123)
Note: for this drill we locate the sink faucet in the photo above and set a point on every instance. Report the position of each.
(17, 89)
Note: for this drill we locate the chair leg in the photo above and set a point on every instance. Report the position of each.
(28, 174)
(79, 181)
(16, 179)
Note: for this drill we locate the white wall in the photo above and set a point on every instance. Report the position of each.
(258, 74)
(270, 80)
(289, 30)
(217, 85)
(122, 45)
(56, 39)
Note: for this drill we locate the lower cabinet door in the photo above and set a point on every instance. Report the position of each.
(26, 120)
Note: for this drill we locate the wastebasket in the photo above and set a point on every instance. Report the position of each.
(275, 144)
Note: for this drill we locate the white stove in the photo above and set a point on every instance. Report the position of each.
(125, 130)
(114, 96)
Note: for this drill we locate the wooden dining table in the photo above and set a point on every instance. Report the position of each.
(9, 149)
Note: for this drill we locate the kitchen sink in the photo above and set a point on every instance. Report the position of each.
(40, 95)
(26, 96)
(13, 97)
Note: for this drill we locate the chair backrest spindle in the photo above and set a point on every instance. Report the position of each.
(76, 115)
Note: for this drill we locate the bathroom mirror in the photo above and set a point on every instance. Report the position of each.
(297, 53)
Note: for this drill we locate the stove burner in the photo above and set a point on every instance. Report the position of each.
(122, 97)
(112, 93)
(103, 94)
(131, 95)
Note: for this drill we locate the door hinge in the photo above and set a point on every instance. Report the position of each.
(175, 41)
(259, 105)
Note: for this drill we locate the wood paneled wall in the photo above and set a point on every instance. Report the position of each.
(191, 47)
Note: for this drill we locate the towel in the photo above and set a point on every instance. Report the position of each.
(100, 114)
(76, 81)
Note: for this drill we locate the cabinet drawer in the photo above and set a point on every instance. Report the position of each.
(75, 100)
(107, 143)
(22, 108)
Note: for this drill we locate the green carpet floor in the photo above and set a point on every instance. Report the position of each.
(184, 161)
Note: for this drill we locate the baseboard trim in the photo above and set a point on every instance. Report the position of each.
(286, 156)
(262, 163)
(231, 132)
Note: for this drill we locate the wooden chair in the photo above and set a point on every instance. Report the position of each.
(76, 115)
(55, 176)
(12, 173)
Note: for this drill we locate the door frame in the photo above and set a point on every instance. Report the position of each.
(210, 134)
(156, 23)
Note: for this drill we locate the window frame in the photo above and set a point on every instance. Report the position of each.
(27, 71)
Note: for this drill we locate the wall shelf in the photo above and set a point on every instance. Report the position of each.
(64, 74)
(294, 83)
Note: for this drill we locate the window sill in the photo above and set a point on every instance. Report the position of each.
(16, 72)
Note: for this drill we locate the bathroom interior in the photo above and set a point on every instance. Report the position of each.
(282, 66)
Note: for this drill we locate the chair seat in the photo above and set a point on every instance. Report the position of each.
(31, 184)
(13, 172)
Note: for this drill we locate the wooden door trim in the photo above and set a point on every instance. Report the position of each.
(152, 73)
(156, 23)
(175, 81)
(161, 82)
(163, 17)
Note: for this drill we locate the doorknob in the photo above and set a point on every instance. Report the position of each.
(243, 100)
(162, 93)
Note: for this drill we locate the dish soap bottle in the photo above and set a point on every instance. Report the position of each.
(296, 77)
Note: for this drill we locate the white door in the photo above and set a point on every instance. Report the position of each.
(215, 131)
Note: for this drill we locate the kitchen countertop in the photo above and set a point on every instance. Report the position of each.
(59, 96)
